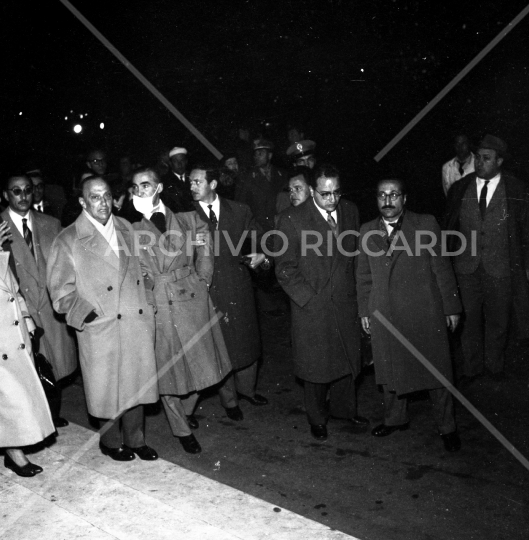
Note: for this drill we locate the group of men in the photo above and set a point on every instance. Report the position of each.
(162, 302)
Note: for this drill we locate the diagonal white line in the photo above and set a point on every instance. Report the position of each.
(451, 85)
(154, 91)
(452, 389)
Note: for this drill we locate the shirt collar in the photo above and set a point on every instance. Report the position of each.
(493, 181)
(17, 218)
(215, 206)
(324, 213)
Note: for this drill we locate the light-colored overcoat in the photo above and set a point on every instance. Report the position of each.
(321, 286)
(190, 350)
(231, 289)
(117, 348)
(25, 417)
(414, 291)
(57, 343)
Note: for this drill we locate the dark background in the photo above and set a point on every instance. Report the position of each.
(264, 64)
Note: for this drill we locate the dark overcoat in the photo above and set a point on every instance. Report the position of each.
(57, 343)
(231, 288)
(117, 348)
(322, 291)
(190, 350)
(414, 290)
(517, 195)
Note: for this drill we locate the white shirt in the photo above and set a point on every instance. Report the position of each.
(39, 207)
(215, 206)
(17, 220)
(389, 228)
(108, 231)
(491, 186)
(451, 172)
(324, 213)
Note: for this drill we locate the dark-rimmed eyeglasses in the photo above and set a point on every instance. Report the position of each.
(330, 194)
(18, 191)
(393, 196)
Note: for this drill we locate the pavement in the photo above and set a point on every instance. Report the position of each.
(265, 477)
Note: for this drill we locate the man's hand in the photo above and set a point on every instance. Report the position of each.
(256, 259)
(366, 326)
(452, 321)
(5, 233)
(201, 238)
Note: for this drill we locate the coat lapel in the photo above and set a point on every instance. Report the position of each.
(93, 241)
(126, 250)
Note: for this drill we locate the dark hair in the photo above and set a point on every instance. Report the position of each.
(147, 170)
(401, 183)
(325, 170)
(301, 170)
(212, 171)
(15, 174)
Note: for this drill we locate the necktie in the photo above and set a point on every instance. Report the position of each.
(213, 217)
(28, 236)
(461, 170)
(332, 224)
(158, 220)
(483, 200)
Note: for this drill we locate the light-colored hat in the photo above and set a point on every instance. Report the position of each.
(300, 149)
(177, 150)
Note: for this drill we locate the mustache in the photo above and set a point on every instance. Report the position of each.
(387, 206)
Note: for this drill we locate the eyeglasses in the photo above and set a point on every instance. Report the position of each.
(18, 191)
(328, 195)
(393, 196)
(99, 198)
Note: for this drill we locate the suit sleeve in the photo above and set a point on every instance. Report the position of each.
(61, 278)
(444, 273)
(288, 272)
(205, 257)
(364, 278)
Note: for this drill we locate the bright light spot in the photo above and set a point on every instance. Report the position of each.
(66, 118)
(80, 116)
(102, 125)
(20, 113)
(362, 70)
(86, 114)
(71, 111)
(78, 128)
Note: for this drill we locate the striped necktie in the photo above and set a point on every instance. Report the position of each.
(213, 217)
(332, 224)
(28, 236)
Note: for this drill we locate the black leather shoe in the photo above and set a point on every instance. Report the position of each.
(451, 441)
(319, 432)
(383, 431)
(144, 452)
(192, 421)
(234, 413)
(359, 421)
(256, 400)
(190, 444)
(60, 422)
(123, 453)
(27, 470)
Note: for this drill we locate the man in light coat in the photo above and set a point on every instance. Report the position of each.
(32, 234)
(190, 350)
(95, 279)
(316, 269)
(415, 289)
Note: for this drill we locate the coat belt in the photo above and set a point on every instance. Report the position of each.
(174, 275)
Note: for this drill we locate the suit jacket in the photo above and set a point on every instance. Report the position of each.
(57, 342)
(231, 288)
(260, 194)
(414, 291)
(322, 291)
(517, 195)
(176, 193)
(190, 350)
(117, 348)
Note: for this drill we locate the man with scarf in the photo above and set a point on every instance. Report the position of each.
(403, 277)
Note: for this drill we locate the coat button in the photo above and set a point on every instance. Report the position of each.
(4, 357)
(109, 288)
(170, 302)
(192, 295)
(138, 282)
(141, 311)
(16, 323)
(22, 346)
(11, 299)
(119, 316)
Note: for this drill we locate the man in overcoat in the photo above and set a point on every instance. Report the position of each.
(316, 268)
(32, 234)
(414, 288)
(231, 290)
(490, 208)
(190, 350)
(95, 279)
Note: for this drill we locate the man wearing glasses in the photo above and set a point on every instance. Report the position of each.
(32, 234)
(315, 265)
(403, 276)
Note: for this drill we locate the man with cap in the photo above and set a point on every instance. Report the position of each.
(177, 195)
(459, 166)
(302, 153)
(489, 208)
